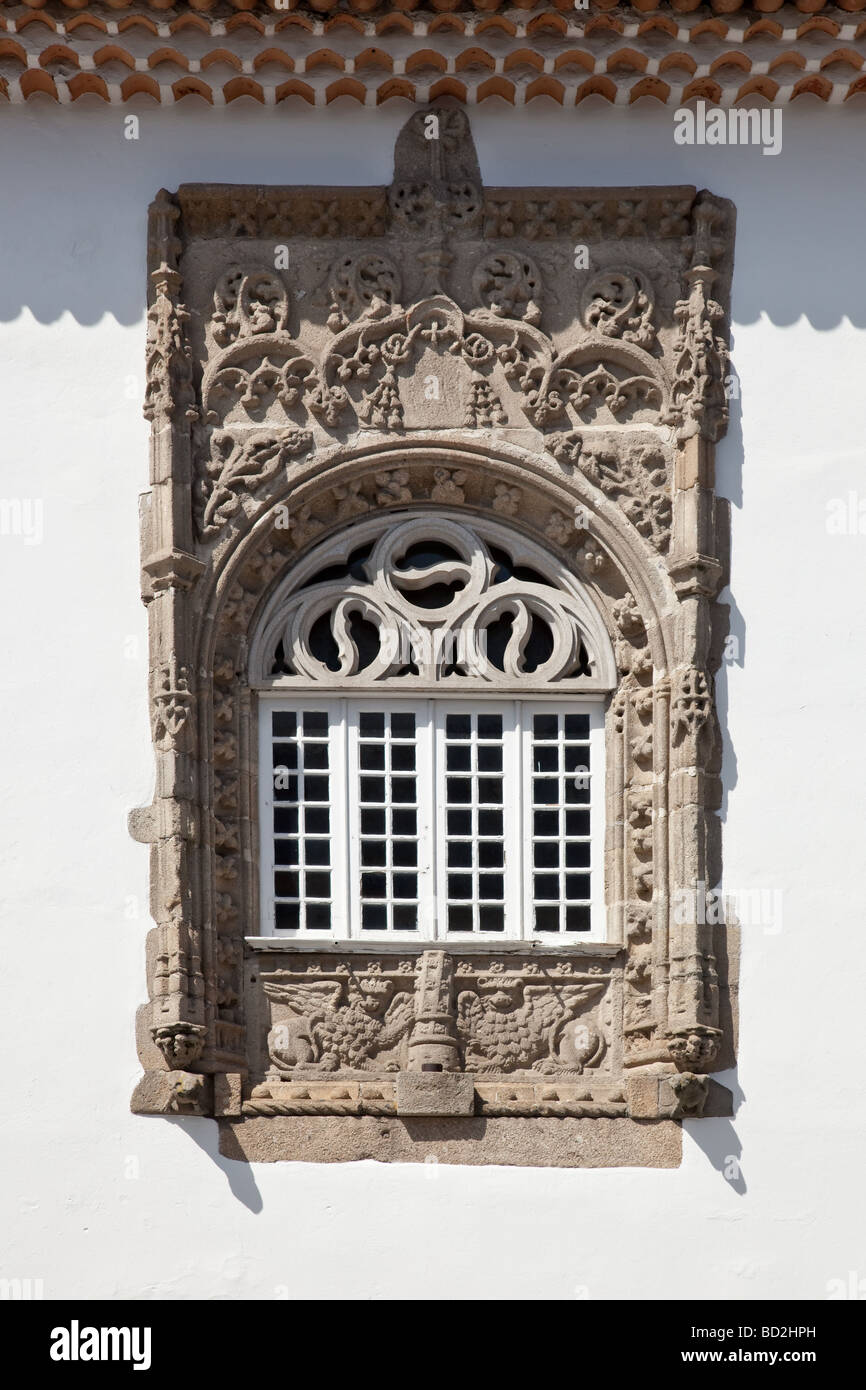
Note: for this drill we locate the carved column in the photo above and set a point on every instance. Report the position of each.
(433, 1042)
(177, 984)
(699, 410)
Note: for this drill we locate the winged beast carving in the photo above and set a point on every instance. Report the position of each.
(335, 1024)
(506, 1025)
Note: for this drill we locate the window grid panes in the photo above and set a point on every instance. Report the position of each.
(474, 822)
(560, 888)
(301, 779)
(431, 819)
(387, 781)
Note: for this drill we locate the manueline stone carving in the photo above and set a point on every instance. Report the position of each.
(405, 382)
(238, 468)
(435, 645)
(334, 1024)
(437, 181)
(361, 285)
(692, 702)
(508, 1024)
(698, 398)
(619, 304)
(248, 303)
(173, 706)
(509, 286)
(636, 476)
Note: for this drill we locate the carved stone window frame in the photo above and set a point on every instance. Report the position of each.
(285, 404)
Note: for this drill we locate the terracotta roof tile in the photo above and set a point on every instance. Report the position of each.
(224, 50)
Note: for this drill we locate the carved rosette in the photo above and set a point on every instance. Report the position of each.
(426, 349)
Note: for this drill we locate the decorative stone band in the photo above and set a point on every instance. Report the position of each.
(681, 1096)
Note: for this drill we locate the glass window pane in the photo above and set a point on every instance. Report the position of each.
(404, 822)
(374, 916)
(372, 757)
(459, 757)
(489, 757)
(315, 756)
(547, 919)
(285, 820)
(405, 917)
(317, 885)
(490, 726)
(490, 854)
(545, 726)
(578, 918)
(458, 726)
(460, 885)
(489, 822)
(577, 726)
(459, 917)
(287, 916)
(491, 917)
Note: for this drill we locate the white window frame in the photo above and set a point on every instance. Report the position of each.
(343, 711)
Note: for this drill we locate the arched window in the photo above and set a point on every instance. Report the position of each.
(431, 725)
(431, 559)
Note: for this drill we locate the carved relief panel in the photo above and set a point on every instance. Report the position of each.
(551, 362)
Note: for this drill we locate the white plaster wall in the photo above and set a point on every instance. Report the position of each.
(99, 1203)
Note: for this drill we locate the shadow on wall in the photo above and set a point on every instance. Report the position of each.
(239, 1176)
(74, 237)
(718, 1140)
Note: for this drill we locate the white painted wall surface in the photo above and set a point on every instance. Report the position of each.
(99, 1203)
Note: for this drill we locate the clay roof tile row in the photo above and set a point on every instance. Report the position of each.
(253, 10)
(221, 55)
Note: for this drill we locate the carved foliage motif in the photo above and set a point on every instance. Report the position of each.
(618, 303)
(248, 303)
(238, 468)
(692, 703)
(636, 476)
(168, 368)
(173, 706)
(698, 396)
(361, 285)
(509, 286)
